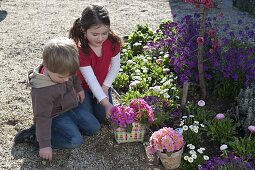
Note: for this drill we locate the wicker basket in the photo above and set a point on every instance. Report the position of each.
(136, 135)
(173, 161)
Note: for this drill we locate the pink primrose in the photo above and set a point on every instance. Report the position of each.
(166, 138)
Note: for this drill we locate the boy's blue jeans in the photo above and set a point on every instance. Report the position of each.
(67, 129)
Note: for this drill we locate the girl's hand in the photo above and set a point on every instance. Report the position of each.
(108, 107)
(81, 96)
(106, 90)
(46, 153)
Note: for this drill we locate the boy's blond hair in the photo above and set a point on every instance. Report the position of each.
(60, 55)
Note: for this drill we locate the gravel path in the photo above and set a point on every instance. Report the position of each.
(25, 26)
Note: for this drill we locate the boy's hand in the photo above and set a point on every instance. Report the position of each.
(81, 96)
(46, 153)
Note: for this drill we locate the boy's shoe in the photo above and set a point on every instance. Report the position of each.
(26, 136)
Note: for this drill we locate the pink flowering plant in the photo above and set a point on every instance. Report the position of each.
(221, 128)
(165, 140)
(244, 146)
(137, 111)
(144, 113)
(122, 116)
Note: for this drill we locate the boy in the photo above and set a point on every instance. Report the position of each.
(56, 93)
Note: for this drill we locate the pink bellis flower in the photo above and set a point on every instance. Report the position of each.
(220, 116)
(201, 103)
(251, 129)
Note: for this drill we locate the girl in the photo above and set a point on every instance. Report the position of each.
(99, 53)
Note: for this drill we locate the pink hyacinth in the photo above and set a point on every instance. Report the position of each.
(251, 129)
(220, 116)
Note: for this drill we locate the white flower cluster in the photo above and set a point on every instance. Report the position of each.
(193, 127)
(192, 154)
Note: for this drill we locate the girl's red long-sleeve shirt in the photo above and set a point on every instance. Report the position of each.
(100, 65)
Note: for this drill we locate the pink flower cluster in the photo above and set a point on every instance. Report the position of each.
(123, 115)
(165, 140)
(142, 109)
(138, 109)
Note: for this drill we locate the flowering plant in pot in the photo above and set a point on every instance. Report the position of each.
(168, 145)
(130, 121)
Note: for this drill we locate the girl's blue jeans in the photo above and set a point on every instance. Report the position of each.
(91, 106)
(67, 129)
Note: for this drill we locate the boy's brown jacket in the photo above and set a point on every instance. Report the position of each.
(50, 99)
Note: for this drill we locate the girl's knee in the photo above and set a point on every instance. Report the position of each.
(93, 129)
(76, 142)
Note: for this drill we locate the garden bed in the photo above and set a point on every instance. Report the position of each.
(25, 27)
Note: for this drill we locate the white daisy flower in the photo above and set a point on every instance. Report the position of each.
(223, 147)
(190, 159)
(185, 127)
(194, 156)
(206, 158)
(192, 146)
(192, 152)
(200, 151)
(185, 158)
(196, 122)
(156, 88)
(137, 44)
(166, 55)
(130, 62)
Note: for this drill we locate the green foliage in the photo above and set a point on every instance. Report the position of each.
(161, 118)
(243, 146)
(121, 80)
(227, 88)
(244, 107)
(221, 130)
(202, 114)
(138, 38)
(125, 98)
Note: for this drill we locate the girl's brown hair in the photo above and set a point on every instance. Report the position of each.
(91, 16)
